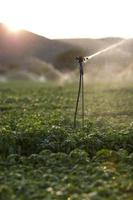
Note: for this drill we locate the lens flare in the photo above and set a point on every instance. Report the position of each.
(12, 27)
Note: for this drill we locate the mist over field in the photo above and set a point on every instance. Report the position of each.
(27, 56)
(59, 140)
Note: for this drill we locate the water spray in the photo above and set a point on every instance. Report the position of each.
(104, 50)
(82, 60)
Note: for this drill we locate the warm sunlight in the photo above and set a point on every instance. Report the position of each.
(13, 27)
(71, 18)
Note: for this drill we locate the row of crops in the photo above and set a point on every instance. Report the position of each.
(43, 157)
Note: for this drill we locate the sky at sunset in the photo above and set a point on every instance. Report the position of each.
(69, 18)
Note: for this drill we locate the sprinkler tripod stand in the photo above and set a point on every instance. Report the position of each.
(80, 60)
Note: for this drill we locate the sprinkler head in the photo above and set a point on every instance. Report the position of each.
(80, 59)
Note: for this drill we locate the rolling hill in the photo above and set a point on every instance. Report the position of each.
(32, 53)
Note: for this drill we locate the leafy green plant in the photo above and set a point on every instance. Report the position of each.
(43, 157)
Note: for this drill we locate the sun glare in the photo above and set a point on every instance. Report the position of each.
(13, 28)
(86, 18)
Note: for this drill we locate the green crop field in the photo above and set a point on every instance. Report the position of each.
(43, 157)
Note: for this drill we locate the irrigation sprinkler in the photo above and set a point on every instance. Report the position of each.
(82, 60)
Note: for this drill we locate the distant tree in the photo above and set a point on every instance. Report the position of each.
(13, 66)
(66, 61)
(2, 70)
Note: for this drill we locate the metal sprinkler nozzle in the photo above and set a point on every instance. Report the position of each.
(81, 60)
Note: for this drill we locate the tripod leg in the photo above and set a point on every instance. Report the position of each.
(77, 102)
(82, 101)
